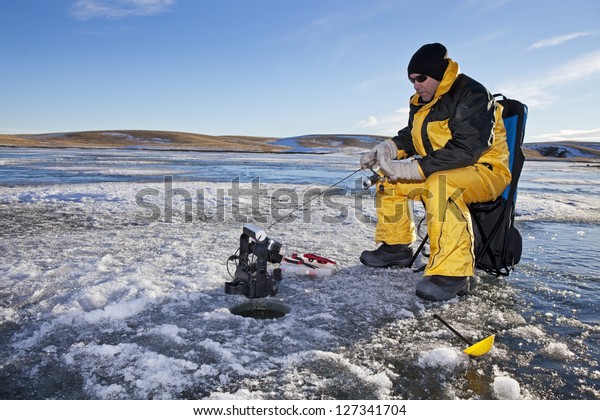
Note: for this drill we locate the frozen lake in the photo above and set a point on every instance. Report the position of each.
(114, 262)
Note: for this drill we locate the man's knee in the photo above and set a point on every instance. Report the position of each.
(443, 193)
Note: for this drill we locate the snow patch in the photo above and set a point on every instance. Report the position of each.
(529, 333)
(117, 311)
(558, 351)
(108, 263)
(142, 374)
(8, 315)
(506, 388)
(169, 331)
(240, 394)
(443, 358)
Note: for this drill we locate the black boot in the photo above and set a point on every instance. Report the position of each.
(440, 288)
(388, 256)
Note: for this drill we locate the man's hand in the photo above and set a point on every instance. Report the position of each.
(403, 170)
(385, 150)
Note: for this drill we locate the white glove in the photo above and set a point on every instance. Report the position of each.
(403, 170)
(385, 150)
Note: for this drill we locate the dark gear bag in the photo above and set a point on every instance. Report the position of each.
(498, 243)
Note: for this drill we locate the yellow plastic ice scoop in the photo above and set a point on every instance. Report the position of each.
(477, 349)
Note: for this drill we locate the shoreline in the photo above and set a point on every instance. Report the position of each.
(530, 155)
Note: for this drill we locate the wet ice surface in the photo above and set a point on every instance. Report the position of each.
(98, 300)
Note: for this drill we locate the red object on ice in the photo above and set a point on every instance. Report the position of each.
(298, 260)
(319, 259)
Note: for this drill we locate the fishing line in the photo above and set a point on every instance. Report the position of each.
(313, 198)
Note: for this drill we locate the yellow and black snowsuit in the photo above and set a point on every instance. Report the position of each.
(461, 139)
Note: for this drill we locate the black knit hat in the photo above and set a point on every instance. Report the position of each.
(431, 60)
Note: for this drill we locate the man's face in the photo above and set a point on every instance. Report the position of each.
(426, 88)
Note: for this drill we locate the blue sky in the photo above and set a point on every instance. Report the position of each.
(286, 67)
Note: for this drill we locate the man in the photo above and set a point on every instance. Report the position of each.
(455, 143)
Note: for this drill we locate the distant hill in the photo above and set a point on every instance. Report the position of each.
(142, 139)
(313, 143)
(563, 150)
(173, 140)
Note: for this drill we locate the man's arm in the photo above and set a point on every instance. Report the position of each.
(472, 132)
(404, 143)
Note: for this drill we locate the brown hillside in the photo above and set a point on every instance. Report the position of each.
(142, 138)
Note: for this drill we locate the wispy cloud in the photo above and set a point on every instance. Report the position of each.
(483, 38)
(481, 8)
(117, 9)
(571, 135)
(557, 40)
(537, 91)
(385, 125)
(312, 31)
(577, 70)
(333, 23)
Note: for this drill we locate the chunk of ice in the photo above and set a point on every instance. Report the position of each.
(506, 388)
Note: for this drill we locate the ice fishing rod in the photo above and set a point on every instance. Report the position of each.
(313, 198)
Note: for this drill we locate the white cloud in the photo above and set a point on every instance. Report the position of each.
(385, 125)
(579, 69)
(536, 91)
(557, 40)
(118, 9)
(571, 135)
(534, 95)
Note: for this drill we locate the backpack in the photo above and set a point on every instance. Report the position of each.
(498, 243)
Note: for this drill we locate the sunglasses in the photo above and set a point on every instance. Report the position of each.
(420, 78)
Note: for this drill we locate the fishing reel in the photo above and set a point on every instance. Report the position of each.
(378, 175)
(252, 278)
